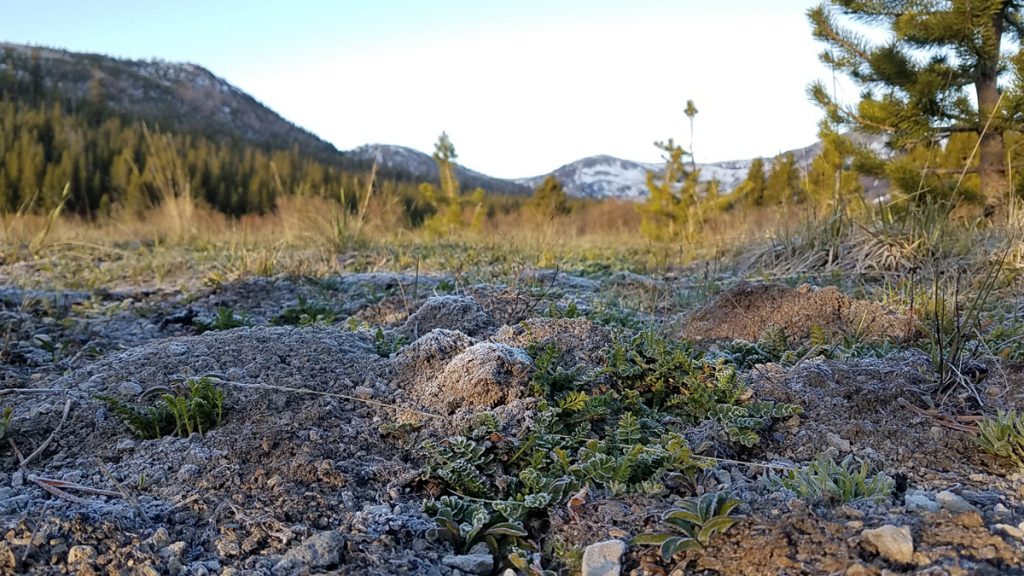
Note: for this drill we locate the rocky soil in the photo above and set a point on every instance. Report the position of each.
(305, 476)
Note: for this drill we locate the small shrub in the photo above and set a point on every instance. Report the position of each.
(1003, 436)
(226, 319)
(826, 481)
(693, 523)
(305, 313)
(196, 406)
(386, 345)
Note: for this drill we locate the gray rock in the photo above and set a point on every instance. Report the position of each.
(920, 502)
(954, 503)
(471, 563)
(837, 442)
(318, 551)
(129, 388)
(892, 543)
(604, 558)
(125, 445)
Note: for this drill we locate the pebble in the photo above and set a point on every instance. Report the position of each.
(125, 445)
(17, 479)
(317, 551)
(470, 563)
(364, 392)
(187, 473)
(1012, 531)
(920, 502)
(894, 544)
(1001, 512)
(78, 554)
(836, 441)
(604, 558)
(129, 388)
(954, 503)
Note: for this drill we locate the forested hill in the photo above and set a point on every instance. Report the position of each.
(80, 118)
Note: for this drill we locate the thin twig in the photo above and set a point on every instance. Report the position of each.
(60, 493)
(67, 408)
(71, 486)
(184, 502)
(21, 459)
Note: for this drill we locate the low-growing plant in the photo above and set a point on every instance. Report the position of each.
(693, 524)
(386, 345)
(823, 480)
(1003, 436)
(305, 313)
(197, 405)
(464, 524)
(225, 319)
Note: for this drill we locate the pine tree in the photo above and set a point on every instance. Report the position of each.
(549, 199)
(663, 214)
(783, 183)
(444, 156)
(691, 112)
(917, 86)
(830, 179)
(752, 189)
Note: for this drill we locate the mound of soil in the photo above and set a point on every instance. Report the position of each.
(745, 311)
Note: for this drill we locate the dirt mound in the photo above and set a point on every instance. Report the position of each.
(485, 375)
(745, 311)
(578, 340)
(449, 312)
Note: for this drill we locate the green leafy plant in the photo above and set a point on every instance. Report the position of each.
(305, 313)
(225, 319)
(464, 524)
(194, 406)
(694, 523)
(386, 345)
(823, 480)
(1003, 436)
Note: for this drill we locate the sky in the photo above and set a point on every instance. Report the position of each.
(520, 87)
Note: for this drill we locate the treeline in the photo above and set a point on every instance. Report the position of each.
(107, 162)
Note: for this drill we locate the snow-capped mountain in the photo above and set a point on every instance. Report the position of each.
(610, 177)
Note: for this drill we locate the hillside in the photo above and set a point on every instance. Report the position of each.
(406, 163)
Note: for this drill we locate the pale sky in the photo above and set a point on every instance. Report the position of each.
(521, 87)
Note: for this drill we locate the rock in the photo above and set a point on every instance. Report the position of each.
(892, 543)
(81, 554)
(129, 389)
(8, 561)
(954, 503)
(17, 479)
(320, 550)
(1012, 531)
(471, 563)
(1001, 512)
(920, 502)
(858, 569)
(159, 540)
(837, 442)
(364, 392)
(125, 445)
(604, 558)
(187, 473)
(449, 312)
(485, 375)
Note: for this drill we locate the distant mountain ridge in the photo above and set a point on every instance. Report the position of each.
(178, 97)
(419, 166)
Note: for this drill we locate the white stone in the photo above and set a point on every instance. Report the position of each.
(894, 544)
(953, 502)
(604, 558)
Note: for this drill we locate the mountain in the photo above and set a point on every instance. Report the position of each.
(610, 177)
(176, 97)
(413, 165)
